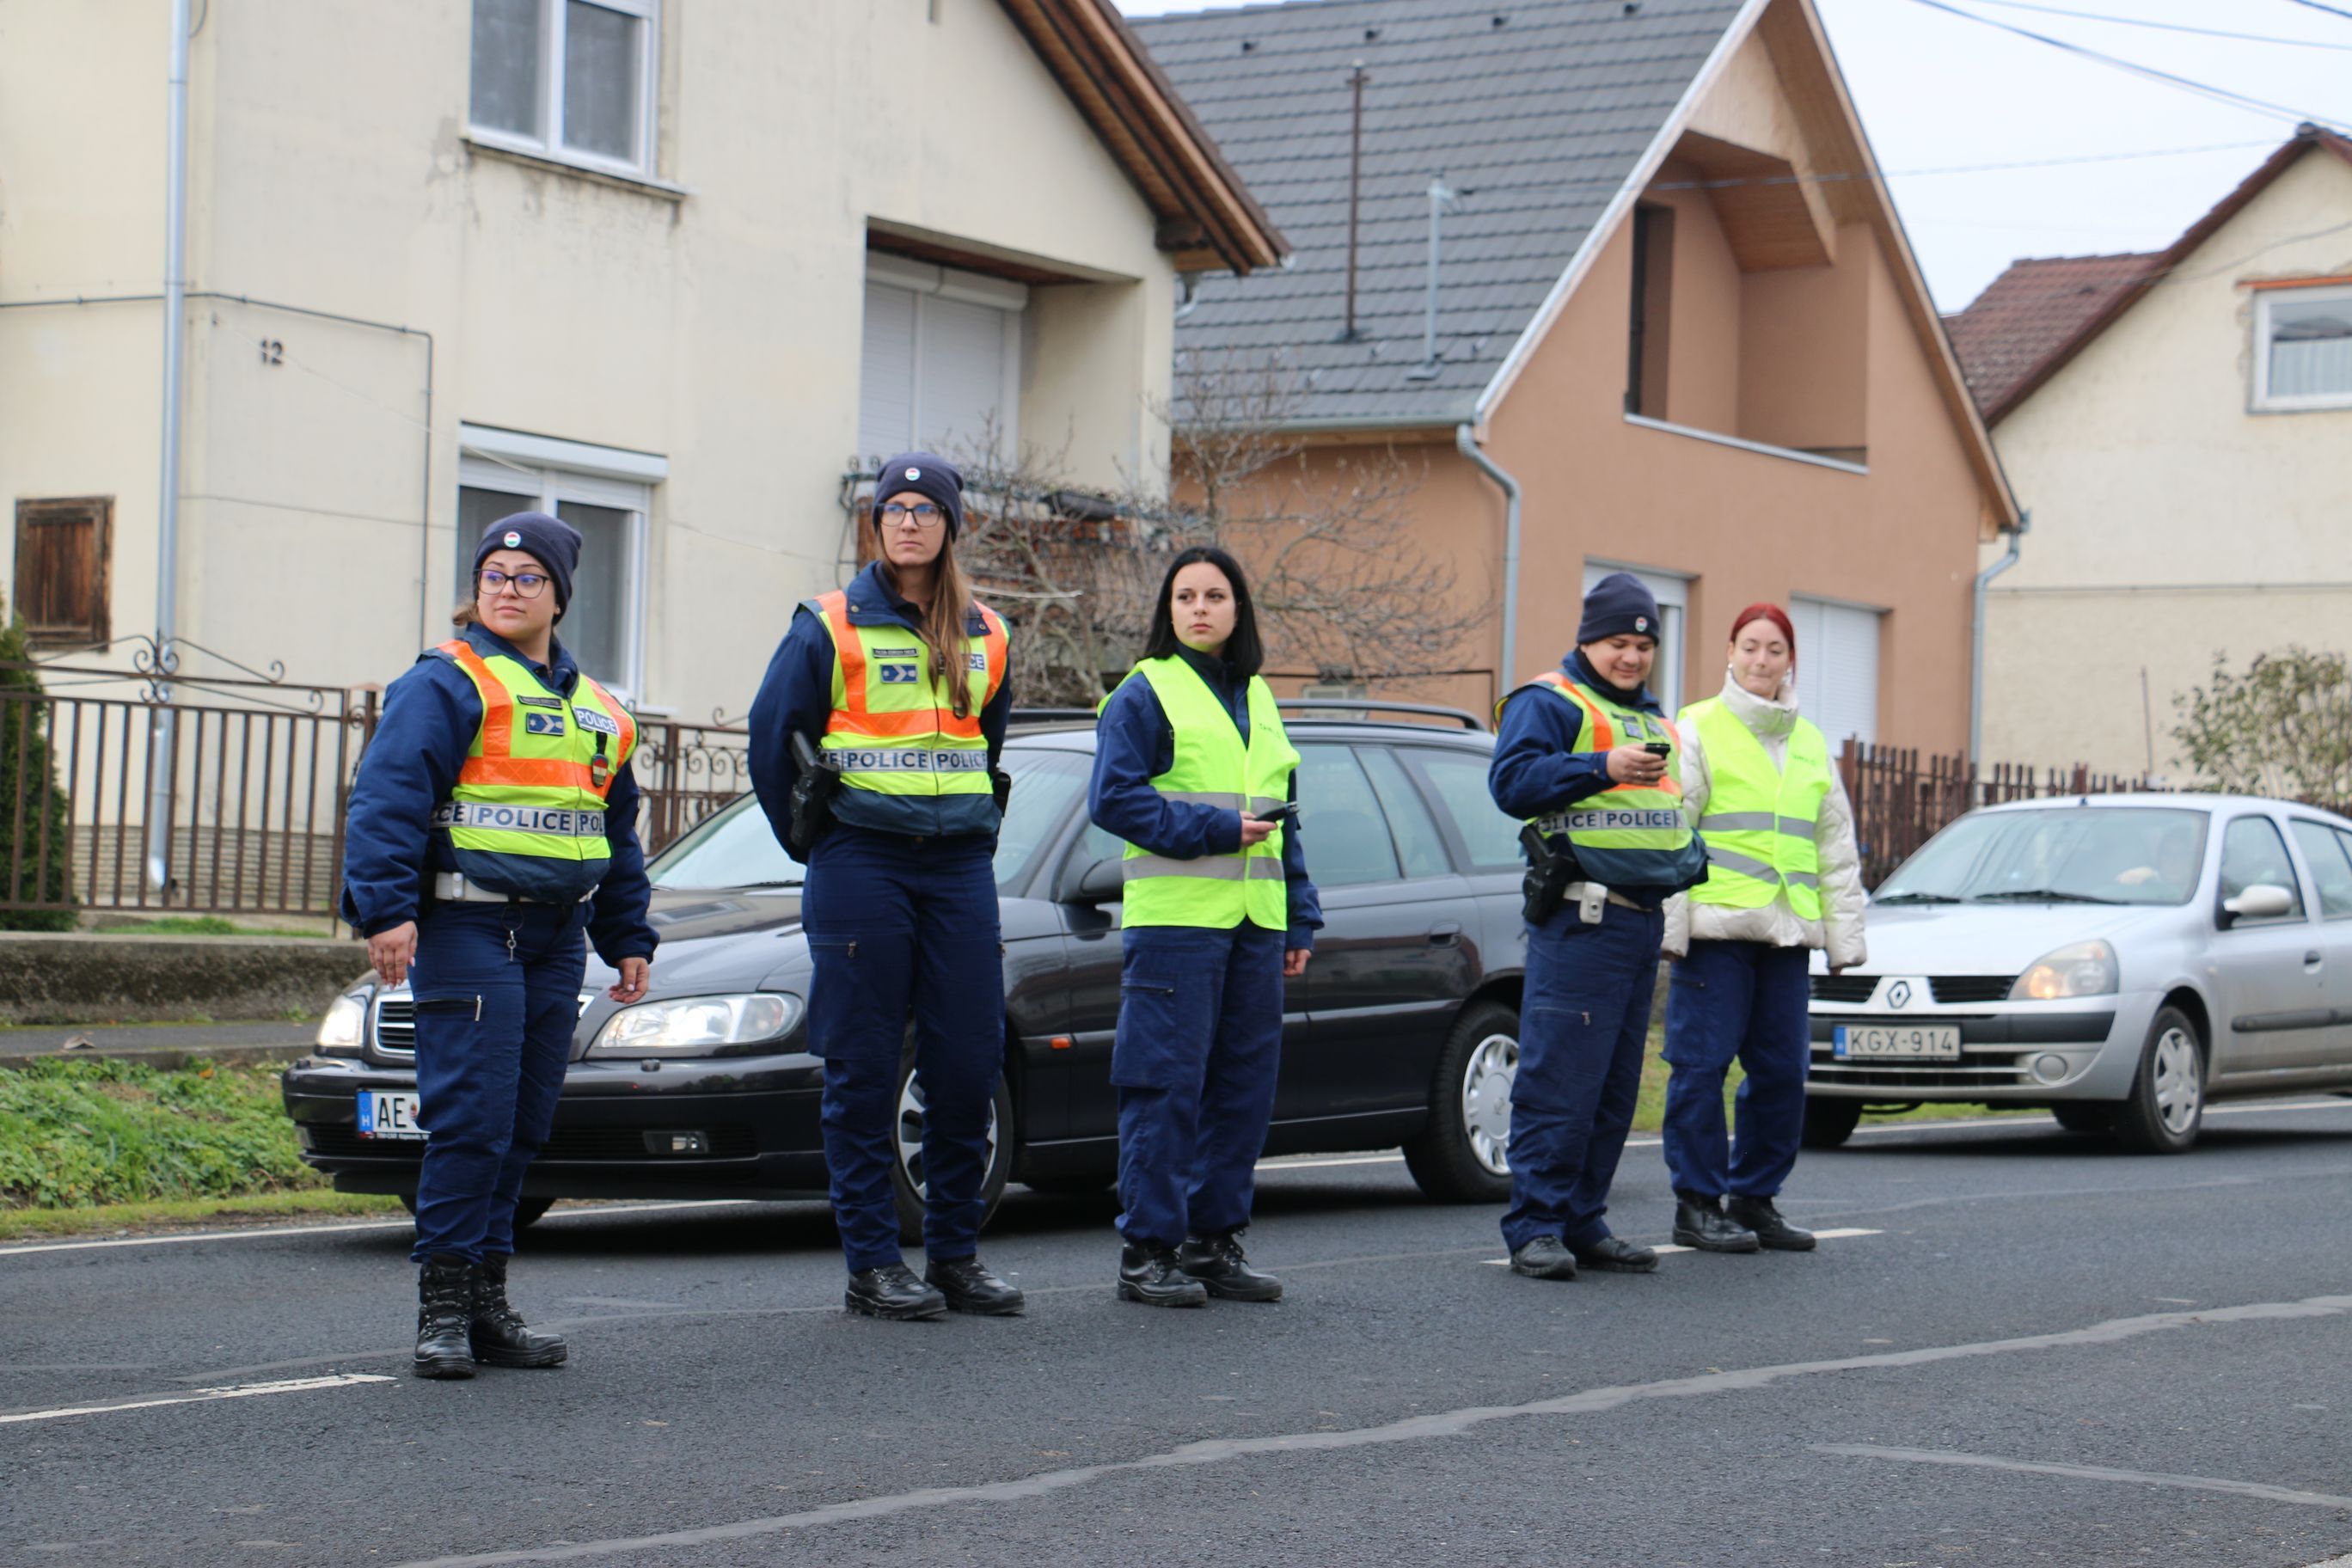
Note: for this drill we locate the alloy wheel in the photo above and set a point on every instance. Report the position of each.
(910, 1134)
(1486, 1082)
(2179, 1082)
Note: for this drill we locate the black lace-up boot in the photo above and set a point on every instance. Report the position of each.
(445, 1304)
(1150, 1275)
(500, 1337)
(1216, 1261)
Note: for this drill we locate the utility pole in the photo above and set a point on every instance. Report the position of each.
(1355, 188)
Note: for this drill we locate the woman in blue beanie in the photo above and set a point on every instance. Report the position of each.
(493, 821)
(898, 681)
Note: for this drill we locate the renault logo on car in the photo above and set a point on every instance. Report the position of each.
(1899, 994)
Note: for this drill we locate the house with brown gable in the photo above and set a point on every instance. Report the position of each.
(1668, 323)
(2180, 423)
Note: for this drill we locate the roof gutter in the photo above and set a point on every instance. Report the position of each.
(1644, 170)
(1465, 441)
(1976, 649)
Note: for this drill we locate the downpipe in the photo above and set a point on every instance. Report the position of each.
(161, 747)
(1975, 650)
(1465, 441)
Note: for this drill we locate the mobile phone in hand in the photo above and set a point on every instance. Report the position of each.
(1659, 749)
(1283, 814)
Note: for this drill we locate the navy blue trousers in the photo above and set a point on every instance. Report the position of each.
(1583, 1026)
(1743, 999)
(899, 926)
(1198, 1049)
(493, 1035)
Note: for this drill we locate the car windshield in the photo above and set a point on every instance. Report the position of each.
(2070, 854)
(736, 849)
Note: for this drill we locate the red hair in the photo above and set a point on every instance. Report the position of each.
(1763, 610)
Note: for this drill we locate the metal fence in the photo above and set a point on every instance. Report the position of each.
(686, 772)
(1902, 799)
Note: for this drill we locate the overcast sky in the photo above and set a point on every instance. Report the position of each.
(1938, 91)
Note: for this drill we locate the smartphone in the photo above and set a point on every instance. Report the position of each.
(1659, 749)
(1284, 813)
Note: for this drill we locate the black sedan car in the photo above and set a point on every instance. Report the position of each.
(1403, 1031)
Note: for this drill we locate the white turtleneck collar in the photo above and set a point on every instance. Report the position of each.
(1773, 717)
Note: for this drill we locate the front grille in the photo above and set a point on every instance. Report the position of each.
(1951, 989)
(1975, 1069)
(1844, 987)
(731, 1142)
(395, 1025)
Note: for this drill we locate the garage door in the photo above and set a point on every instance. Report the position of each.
(1837, 667)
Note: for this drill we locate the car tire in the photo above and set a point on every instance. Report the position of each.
(2091, 1116)
(906, 1137)
(2165, 1107)
(530, 1211)
(1829, 1123)
(1462, 1155)
(1076, 1186)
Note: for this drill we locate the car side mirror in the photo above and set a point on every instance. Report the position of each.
(1100, 883)
(2262, 901)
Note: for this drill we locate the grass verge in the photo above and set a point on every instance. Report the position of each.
(191, 1213)
(75, 1135)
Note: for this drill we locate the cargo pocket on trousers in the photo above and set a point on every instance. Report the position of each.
(1152, 1047)
(846, 1018)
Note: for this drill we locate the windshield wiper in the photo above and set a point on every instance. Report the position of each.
(2041, 895)
(1916, 898)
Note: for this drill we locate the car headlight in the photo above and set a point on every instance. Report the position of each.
(2079, 969)
(698, 1025)
(343, 1030)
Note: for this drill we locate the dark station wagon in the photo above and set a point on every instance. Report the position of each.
(1403, 1031)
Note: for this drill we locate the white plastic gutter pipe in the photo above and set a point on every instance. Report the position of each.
(160, 759)
(1465, 441)
(1975, 650)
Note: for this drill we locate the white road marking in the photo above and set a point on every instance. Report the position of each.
(1410, 1429)
(2250, 1108)
(2085, 1473)
(202, 1395)
(256, 1235)
(1664, 1247)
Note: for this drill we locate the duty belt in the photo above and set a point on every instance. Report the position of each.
(554, 824)
(1574, 893)
(451, 888)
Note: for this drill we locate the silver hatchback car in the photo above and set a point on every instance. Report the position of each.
(2119, 959)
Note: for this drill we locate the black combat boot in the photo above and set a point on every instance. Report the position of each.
(892, 1292)
(972, 1286)
(501, 1336)
(1216, 1261)
(1150, 1275)
(1760, 1215)
(1700, 1221)
(444, 1303)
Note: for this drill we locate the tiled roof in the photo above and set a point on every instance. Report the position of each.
(1534, 111)
(2032, 311)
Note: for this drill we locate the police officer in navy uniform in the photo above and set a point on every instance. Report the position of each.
(899, 682)
(1587, 756)
(492, 821)
(1190, 765)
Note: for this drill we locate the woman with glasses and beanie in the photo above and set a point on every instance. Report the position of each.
(1784, 876)
(1192, 768)
(492, 822)
(896, 683)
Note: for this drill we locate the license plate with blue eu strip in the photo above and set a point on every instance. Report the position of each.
(387, 1113)
(1908, 1042)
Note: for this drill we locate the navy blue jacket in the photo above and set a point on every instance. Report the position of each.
(431, 715)
(1134, 743)
(797, 696)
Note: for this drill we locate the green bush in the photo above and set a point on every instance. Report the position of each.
(113, 1131)
(25, 755)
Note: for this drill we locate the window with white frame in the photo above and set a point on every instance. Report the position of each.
(2302, 348)
(607, 493)
(1837, 667)
(570, 80)
(1672, 594)
(941, 361)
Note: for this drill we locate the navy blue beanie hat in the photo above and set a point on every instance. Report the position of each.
(926, 474)
(1619, 605)
(551, 541)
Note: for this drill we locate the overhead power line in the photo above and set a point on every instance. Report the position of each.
(2322, 5)
(2165, 27)
(2203, 90)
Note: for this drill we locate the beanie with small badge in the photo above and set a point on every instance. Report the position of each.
(925, 474)
(1619, 605)
(551, 541)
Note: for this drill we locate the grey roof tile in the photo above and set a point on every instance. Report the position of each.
(1534, 124)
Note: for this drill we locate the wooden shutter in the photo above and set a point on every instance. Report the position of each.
(64, 548)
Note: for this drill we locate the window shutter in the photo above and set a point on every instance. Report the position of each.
(963, 375)
(63, 550)
(886, 388)
(1837, 668)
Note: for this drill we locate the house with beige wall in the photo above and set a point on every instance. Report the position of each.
(2179, 423)
(678, 271)
(1671, 309)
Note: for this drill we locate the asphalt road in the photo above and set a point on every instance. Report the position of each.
(2032, 1351)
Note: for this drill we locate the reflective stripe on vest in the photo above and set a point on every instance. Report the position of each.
(537, 774)
(1211, 767)
(1626, 829)
(893, 731)
(1760, 820)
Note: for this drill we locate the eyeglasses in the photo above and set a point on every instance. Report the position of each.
(526, 584)
(922, 514)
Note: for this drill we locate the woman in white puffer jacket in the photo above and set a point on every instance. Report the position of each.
(1741, 942)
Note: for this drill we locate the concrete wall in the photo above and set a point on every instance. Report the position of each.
(2170, 523)
(716, 324)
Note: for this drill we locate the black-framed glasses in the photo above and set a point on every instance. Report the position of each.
(526, 584)
(924, 514)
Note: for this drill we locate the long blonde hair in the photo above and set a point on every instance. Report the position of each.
(941, 626)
